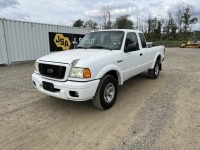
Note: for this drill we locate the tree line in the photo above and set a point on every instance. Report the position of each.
(176, 26)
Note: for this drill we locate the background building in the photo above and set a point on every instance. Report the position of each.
(24, 41)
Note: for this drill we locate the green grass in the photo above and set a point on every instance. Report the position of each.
(169, 43)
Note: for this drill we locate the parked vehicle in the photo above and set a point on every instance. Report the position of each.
(191, 44)
(102, 61)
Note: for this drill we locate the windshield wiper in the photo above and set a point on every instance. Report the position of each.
(100, 47)
(81, 47)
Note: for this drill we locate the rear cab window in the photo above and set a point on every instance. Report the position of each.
(143, 40)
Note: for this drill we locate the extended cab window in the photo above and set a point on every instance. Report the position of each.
(143, 41)
(131, 38)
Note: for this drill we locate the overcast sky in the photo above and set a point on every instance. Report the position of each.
(65, 12)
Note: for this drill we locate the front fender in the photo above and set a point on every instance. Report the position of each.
(111, 68)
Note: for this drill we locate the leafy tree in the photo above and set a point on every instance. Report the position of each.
(90, 24)
(158, 30)
(174, 27)
(187, 18)
(153, 28)
(123, 22)
(78, 23)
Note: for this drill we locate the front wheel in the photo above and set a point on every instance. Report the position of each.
(106, 93)
(154, 73)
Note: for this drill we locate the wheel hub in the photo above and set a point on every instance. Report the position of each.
(109, 92)
(157, 69)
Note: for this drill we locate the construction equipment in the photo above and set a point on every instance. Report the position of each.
(191, 44)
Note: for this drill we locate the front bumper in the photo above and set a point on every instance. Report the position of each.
(85, 90)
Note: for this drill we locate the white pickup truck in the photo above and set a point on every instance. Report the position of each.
(102, 61)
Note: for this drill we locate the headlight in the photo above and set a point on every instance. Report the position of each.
(36, 66)
(80, 73)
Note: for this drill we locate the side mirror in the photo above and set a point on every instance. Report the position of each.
(131, 47)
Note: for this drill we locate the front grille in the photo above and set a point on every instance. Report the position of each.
(52, 71)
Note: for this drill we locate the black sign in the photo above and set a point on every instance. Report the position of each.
(63, 41)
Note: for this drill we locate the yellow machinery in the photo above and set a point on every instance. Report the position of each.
(191, 44)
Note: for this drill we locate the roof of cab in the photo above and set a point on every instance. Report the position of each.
(125, 30)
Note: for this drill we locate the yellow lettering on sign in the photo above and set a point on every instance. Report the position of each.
(62, 41)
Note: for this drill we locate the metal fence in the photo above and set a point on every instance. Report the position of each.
(23, 41)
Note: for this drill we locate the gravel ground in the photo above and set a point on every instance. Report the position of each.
(148, 114)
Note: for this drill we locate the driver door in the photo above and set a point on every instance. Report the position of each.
(132, 59)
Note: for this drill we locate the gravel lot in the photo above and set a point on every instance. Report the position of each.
(148, 114)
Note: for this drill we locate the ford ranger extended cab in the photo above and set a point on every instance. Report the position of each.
(102, 61)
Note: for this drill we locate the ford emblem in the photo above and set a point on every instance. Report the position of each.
(49, 70)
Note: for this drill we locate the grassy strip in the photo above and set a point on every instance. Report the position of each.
(169, 43)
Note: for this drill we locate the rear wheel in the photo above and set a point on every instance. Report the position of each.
(106, 93)
(154, 73)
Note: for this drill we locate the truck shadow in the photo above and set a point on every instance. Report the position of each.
(67, 106)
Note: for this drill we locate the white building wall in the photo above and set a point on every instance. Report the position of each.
(3, 52)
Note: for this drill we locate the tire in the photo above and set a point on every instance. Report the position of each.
(154, 73)
(106, 93)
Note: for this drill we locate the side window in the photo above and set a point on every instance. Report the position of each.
(131, 38)
(143, 41)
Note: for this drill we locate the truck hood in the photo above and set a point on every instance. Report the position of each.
(83, 55)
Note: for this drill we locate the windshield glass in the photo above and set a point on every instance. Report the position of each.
(102, 40)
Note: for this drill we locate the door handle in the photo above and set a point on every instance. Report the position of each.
(141, 54)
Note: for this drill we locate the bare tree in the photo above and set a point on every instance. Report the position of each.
(179, 14)
(149, 26)
(170, 26)
(104, 17)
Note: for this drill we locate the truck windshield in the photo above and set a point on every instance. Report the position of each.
(111, 40)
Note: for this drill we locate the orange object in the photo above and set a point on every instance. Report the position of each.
(86, 73)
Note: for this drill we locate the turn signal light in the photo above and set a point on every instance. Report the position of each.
(86, 73)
